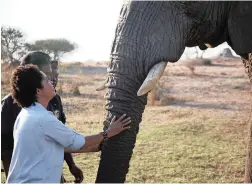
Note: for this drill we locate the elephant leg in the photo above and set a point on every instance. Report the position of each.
(248, 166)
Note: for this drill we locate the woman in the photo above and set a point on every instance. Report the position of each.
(10, 111)
(40, 139)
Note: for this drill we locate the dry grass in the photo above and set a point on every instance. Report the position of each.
(192, 64)
(75, 89)
(195, 131)
(155, 95)
(59, 88)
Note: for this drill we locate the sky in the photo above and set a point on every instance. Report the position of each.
(88, 23)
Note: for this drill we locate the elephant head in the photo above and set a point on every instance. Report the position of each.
(148, 35)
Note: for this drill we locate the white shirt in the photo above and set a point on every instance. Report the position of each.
(39, 142)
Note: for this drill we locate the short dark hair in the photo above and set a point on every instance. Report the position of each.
(55, 61)
(25, 80)
(37, 58)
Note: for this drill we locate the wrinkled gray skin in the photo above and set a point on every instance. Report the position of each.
(150, 32)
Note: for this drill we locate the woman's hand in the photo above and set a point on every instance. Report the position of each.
(116, 126)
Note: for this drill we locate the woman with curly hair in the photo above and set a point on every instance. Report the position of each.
(40, 139)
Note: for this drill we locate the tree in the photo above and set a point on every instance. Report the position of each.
(56, 48)
(12, 44)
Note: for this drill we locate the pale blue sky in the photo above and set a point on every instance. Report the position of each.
(89, 23)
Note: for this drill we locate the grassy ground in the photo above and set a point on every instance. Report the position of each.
(192, 149)
(194, 128)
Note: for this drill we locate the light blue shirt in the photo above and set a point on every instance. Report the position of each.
(39, 142)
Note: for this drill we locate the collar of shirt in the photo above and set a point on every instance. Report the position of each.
(37, 107)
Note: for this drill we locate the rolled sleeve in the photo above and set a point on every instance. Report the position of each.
(78, 142)
(56, 131)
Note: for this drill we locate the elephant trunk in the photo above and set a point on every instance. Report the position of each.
(121, 98)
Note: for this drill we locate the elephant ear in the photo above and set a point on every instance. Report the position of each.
(240, 27)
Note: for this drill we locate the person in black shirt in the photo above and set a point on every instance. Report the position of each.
(10, 111)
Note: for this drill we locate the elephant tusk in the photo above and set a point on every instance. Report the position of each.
(208, 45)
(152, 78)
(102, 86)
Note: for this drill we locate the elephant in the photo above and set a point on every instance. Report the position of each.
(149, 34)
